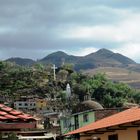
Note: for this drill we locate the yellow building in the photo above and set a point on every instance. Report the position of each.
(41, 104)
(121, 126)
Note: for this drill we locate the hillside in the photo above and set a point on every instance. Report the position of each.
(21, 61)
(38, 82)
(118, 74)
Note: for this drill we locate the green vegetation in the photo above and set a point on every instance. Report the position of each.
(38, 80)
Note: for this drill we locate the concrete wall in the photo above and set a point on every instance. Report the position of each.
(91, 118)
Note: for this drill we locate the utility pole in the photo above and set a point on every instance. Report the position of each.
(54, 74)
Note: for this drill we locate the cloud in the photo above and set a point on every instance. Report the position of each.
(125, 30)
(35, 28)
(84, 51)
(130, 49)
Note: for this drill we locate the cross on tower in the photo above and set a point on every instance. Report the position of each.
(54, 68)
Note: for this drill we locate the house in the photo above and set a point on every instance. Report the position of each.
(85, 113)
(53, 118)
(25, 104)
(41, 105)
(77, 120)
(12, 120)
(124, 125)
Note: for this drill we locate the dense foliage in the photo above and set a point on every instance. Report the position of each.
(38, 80)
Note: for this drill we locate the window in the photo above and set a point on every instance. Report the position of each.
(113, 137)
(26, 104)
(20, 104)
(85, 118)
(66, 123)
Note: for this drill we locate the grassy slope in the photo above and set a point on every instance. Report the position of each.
(118, 74)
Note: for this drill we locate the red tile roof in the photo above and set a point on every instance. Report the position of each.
(16, 119)
(127, 116)
(15, 112)
(12, 114)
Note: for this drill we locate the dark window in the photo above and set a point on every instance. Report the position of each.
(113, 137)
(138, 135)
(26, 104)
(85, 118)
(20, 104)
(76, 120)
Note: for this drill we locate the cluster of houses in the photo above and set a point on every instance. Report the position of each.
(88, 121)
(48, 119)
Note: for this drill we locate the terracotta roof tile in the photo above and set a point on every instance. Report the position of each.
(15, 112)
(129, 115)
(10, 116)
(2, 113)
(1, 105)
(6, 108)
(24, 116)
(2, 118)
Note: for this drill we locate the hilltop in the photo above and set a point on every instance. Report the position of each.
(101, 58)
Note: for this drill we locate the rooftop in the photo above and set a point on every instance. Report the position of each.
(124, 117)
(14, 119)
(12, 114)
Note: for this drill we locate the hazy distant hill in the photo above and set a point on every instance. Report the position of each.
(58, 58)
(108, 57)
(101, 58)
(21, 61)
(104, 58)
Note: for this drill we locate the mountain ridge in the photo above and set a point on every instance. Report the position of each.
(100, 58)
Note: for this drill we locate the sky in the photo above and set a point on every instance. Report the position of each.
(36, 28)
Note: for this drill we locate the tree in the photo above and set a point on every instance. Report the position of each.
(62, 75)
